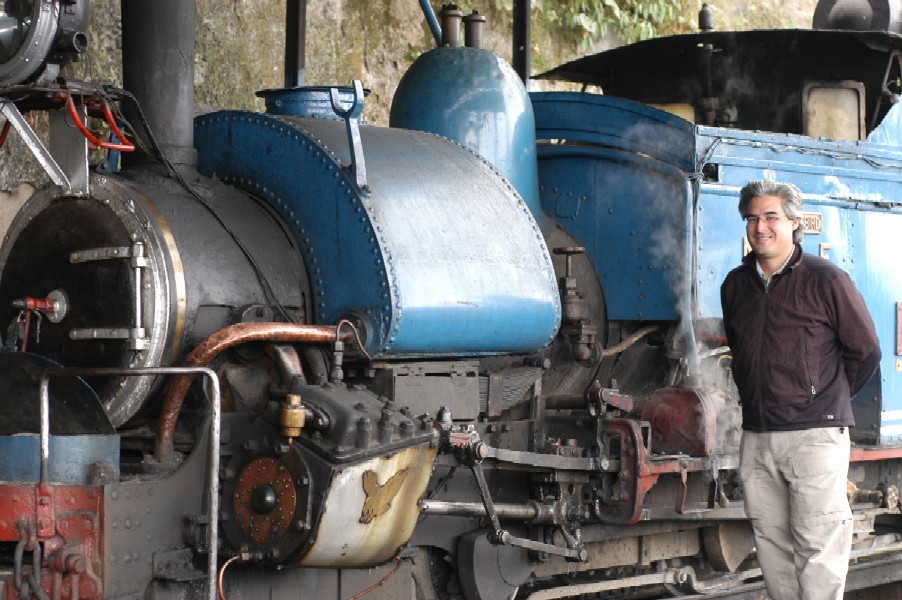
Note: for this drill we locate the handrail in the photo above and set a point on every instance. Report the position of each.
(215, 429)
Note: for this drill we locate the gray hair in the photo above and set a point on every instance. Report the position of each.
(790, 194)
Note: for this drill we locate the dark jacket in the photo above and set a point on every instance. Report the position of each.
(802, 348)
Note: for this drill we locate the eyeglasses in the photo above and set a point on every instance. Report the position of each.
(769, 219)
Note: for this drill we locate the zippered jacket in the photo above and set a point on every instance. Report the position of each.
(802, 348)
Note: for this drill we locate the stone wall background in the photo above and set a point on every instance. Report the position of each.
(240, 50)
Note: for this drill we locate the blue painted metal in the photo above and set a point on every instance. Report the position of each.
(70, 457)
(475, 98)
(313, 102)
(435, 264)
(619, 188)
(628, 185)
(432, 21)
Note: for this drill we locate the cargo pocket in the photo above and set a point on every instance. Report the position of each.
(828, 520)
(819, 470)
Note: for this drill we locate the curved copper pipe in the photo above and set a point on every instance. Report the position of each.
(638, 335)
(214, 345)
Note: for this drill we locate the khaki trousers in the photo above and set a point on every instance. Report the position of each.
(795, 496)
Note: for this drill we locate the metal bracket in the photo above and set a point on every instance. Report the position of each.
(33, 142)
(551, 461)
(82, 256)
(351, 116)
(137, 337)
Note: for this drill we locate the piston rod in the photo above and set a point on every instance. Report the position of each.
(521, 512)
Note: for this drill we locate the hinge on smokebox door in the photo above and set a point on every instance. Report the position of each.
(136, 337)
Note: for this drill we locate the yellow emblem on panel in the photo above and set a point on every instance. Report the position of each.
(379, 497)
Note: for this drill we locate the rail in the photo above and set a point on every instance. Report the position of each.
(215, 429)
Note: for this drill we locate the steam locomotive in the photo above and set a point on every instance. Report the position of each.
(473, 355)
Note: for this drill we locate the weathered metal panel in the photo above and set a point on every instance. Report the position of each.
(371, 509)
(449, 262)
(70, 457)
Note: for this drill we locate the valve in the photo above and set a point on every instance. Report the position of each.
(292, 417)
(55, 306)
(338, 353)
(575, 321)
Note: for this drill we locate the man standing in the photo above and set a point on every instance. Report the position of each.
(803, 344)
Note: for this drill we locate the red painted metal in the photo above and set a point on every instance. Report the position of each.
(869, 454)
(42, 304)
(66, 522)
(5, 132)
(626, 505)
(682, 422)
(639, 472)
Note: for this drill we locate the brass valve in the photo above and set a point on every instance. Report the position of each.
(292, 417)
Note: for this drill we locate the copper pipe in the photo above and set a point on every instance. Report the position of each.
(213, 346)
(629, 341)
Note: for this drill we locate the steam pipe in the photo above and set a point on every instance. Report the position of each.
(433, 22)
(287, 362)
(158, 46)
(213, 346)
(686, 301)
(295, 43)
(638, 335)
(316, 363)
(522, 40)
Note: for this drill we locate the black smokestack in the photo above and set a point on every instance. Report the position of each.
(158, 68)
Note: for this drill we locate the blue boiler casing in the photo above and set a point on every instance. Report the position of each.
(432, 261)
(472, 96)
(677, 186)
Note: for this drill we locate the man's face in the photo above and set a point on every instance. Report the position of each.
(769, 230)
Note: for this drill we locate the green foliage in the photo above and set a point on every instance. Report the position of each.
(629, 20)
